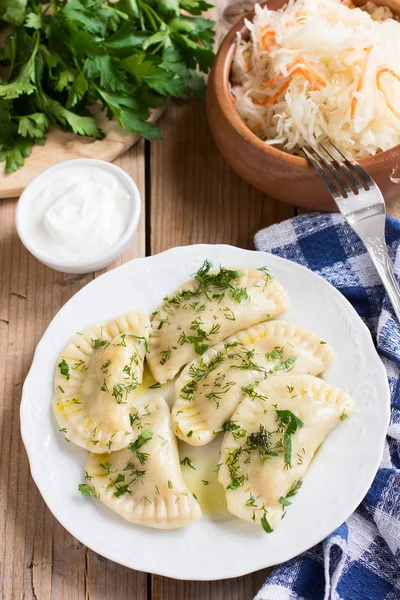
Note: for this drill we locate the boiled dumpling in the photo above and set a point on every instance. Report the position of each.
(206, 310)
(210, 388)
(95, 377)
(271, 441)
(143, 483)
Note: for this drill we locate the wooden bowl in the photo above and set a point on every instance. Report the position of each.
(278, 174)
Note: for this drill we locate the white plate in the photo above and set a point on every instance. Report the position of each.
(212, 548)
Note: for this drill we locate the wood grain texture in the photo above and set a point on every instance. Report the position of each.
(61, 145)
(39, 560)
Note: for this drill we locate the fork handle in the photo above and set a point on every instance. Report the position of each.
(378, 252)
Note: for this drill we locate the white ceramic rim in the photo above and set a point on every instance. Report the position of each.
(207, 571)
(101, 259)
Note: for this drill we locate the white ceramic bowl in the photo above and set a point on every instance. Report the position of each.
(103, 258)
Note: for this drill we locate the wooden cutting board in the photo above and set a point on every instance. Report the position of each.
(66, 146)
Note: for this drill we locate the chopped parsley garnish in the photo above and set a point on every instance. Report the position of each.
(322, 342)
(189, 434)
(265, 525)
(97, 342)
(63, 430)
(288, 424)
(106, 466)
(188, 462)
(64, 369)
(204, 482)
(86, 490)
(122, 490)
(170, 484)
(284, 501)
(142, 439)
(343, 416)
(155, 386)
(61, 389)
(276, 354)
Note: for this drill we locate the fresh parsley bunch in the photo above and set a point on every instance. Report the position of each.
(60, 57)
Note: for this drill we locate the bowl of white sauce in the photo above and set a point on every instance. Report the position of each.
(79, 216)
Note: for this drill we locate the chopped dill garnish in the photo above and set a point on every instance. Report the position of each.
(188, 462)
(80, 365)
(165, 355)
(104, 387)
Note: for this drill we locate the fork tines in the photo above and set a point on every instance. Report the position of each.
(343, 177)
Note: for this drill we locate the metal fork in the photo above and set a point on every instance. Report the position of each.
(361, 203)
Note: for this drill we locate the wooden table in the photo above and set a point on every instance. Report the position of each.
(189, 196)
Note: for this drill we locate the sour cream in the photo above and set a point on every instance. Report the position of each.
(78, 213)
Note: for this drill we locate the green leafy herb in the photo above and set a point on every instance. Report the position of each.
(284, 501)
(265, 525)
(288, 423)
(343, 416)
(97, 342)
(60, 58)
(294, 488)
(188, 462)
(142, 439)
(170, 484)
(86, 490)
(64, 369)
(122, 489)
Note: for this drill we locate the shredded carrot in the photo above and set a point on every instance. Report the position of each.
(273, 98)
(309, 72)
(380, 87)
(269, 82)
(233, 99)
(360, 84)
(267, 33)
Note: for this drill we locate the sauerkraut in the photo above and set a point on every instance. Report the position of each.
(317, 69)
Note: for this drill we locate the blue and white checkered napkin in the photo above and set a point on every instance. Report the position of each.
(361, 559)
